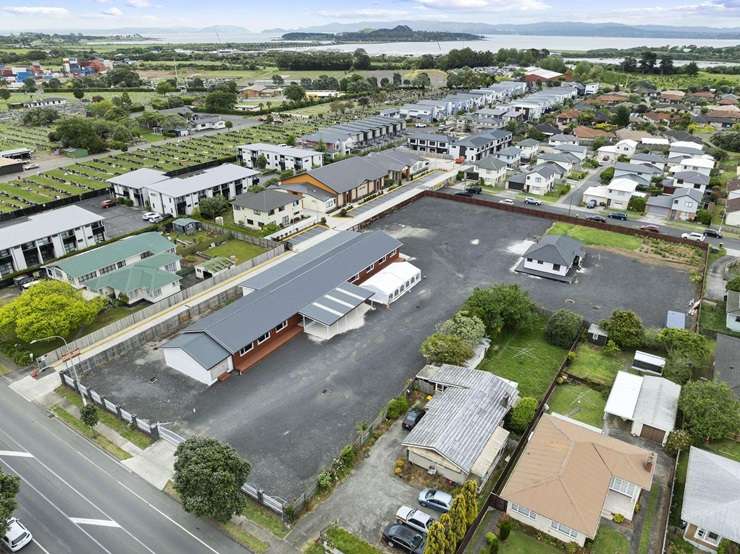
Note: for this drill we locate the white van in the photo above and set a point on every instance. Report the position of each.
(17, 536)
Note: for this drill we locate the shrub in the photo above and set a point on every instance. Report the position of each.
(734, 284)
(325, 481)
(618, 519)
(347, 455)
(396, 407)
(704, 217)
(464, 325)
(606, 175)
(571, 548)
(563, 328)
(611, 348)
(637, 204)
(446, 349)
(677, 440)
(625, 329)
(504, 529)
(522, 414)
(492, 541)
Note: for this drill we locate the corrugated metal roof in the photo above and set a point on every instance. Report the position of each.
(265, 200)
(335, 304)
(348, 174)
(199, 346)
(623, 395)
(45, 224)
(658, 403)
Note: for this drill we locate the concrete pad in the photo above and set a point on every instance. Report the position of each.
(155, 464)
(34, 390)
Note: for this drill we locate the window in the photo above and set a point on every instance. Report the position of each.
(263, 338)
(621, 486)
(524, 511)
(556, 267)
(564, 529)
(381, 260)
(246, 349)
(87, 277)
(369, 268)
(281, 326)
(107, 269)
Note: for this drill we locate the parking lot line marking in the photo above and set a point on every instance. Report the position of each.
(37, 543)
(15, 454)
(98, 522)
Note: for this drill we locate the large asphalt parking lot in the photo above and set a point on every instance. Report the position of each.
(293, 412)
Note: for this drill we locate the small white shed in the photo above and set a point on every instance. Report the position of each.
(392, 282)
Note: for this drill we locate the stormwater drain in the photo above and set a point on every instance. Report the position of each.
(153, 380)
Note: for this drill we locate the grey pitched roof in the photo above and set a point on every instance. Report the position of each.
(335, 304)
(528, 142)
(139, 178)
(547, 170)
(572, 148)
(460, 420)
(45, 224)
(509, 151)
(265, 200)
(693, 177)
(201, 347)
(666, 200)
(489, 162)
(711, 497)
(564, 157)
(657, 403)
(284, 289)
(727, 361)
(422, 135)
(518, 178)
(306, 188)
(564, 137)
(348, 174)
(637, 168)
(555, 249)
(651, 157)
(202, 180)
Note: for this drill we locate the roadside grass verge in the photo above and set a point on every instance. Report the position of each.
(244, 538)
(348, 543)
(265, 518)
(84, 430)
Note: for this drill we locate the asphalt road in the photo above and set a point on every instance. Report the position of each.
(76, 499)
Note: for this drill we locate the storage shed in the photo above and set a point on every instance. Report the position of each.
(597, 335)
(185, 225)
(648, 362)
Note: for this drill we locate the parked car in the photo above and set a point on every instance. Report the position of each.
(412, 418)
(597, 218)
(109, 203)
(650, 228)
(464, 193)
(435, 499)
(621, 216)
(17, 536)
(155, 218)
(416, 519)
(29, 167)
(405, 538)
(591, 204)
(508, 201)
(712, 234)
(146, 215)
(474, 189)
(532, 201)
(699, 237)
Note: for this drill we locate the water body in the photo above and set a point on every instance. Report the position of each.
(677, 63)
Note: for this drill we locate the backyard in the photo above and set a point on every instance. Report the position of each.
(241, 250)
(578, 402)
(593, 365)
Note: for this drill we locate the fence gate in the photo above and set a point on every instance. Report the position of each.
(170, 436)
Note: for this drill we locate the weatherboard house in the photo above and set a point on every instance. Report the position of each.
(319, 291)
(555, 257)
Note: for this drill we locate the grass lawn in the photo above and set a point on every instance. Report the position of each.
(109, 315)
(727, 448)
(593, 365)
(265, 518)
(140, 439)
(526, 358)
(244, 538)
(650, 517)
(348, 543)
(596, 237)
(519, 542)
(242, 250)
(714, 318)
(610, 541)
(84, 430)
(578, 402)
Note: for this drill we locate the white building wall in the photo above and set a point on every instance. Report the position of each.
(544, 524)
(547, 267)
(179, 360)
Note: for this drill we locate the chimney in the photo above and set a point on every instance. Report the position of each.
(650, 461)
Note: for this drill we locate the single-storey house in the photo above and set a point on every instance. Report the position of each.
(460, 437)
(711, 497)
(254, 210)
(649, 402)
(556, 257)
(317, 291)
(561, 138)
(727, 362)
(547, 489)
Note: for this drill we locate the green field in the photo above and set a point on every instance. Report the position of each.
(593, 365)
(578, 402)
(596, 237)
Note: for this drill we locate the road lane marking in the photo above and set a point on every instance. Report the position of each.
(99, 522)
(15, 454)
(37, 543)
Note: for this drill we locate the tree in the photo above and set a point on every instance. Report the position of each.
(360, 59)
(523, 413)
(666, 65)
(290, 141)
(9, 487)
(220, 100)
(710, 410)
(606, 176)
(40, 117)
(470, 490)
(437, 542)
(734, 284)
(458, 518)
(637, 204)
(625, 329)
(504, 529)
(295, 93)
(277, 79)
(165, 86)
(52, 83)
(621, 116)
(647, 61)
(79, 132)
(209, 476)
(89, 415)
(691, 69)
(29, 85)
(213, 206)
(502, 308)
(463, 325)
(688, 353)
(78, 93)
(563, 328)
(49, 308)
(446, 349)
(197, 83)
(677, 440)
(261, 162)
(4, 93)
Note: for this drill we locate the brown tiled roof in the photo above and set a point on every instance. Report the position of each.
(702, 94)
(565, 471)
(588, 133)
(723, 113)
(659, 116)
(728, 101)
(569, 114)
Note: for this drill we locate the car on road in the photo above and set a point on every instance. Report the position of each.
(146, 215)
(464, 193)
(156, 218)
(416, 519)
(508, 201)
(698, 237)
(17, 536)
(596, 218)
(412, 418)
(405, 538)
(474, 189)
(532, 201)
(109, 203)
(712, 234)
(29, 167)
(621, 216)
(435, 499)
(591, 204)
(650, 228)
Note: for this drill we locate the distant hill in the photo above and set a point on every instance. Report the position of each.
(399, 33)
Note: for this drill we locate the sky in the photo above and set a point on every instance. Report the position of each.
(258, 15)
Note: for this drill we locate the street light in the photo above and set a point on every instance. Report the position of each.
(66, 361)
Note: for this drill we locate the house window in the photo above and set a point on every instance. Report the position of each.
(621, 486)
(524, 511)
(369, 268)
(540, 262)
(246, 349)
(564, 529)
(355, 277)
(281, 326)
(556, 267)
(263, 338)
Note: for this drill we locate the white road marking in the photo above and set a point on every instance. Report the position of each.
(98, 522)
(37, 543)
(15, 454)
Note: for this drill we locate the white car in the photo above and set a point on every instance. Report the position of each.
(699, 237)
(17, 536)
(416, 519)
(508, 201)
(147, 215)
(155, 218)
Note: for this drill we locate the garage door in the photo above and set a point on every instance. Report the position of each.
(651, 433)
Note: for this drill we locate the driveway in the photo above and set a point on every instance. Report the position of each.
(366, 501)
(716, 286)
(119, 219)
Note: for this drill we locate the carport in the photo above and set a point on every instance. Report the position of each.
(338, 311)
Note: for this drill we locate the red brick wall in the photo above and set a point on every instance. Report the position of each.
(273, 343)
(365, 275)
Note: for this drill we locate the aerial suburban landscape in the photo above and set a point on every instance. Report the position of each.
(420, 277)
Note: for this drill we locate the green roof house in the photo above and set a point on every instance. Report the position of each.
(141, 267)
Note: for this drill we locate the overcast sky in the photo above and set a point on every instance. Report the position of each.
(259, 15)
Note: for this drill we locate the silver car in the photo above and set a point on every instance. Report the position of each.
(436, 500)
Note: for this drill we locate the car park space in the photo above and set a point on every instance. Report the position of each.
(119, 220)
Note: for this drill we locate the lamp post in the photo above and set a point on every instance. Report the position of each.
(66, 361)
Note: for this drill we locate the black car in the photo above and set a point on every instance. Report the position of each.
(405, 538)
(712, 233)
(618, 215)
(465, 193)
(474, 189)
(596, 218)
(412, 418)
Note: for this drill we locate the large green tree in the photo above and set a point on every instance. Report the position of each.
(294, 92)
(625, 329)
(220, 100)
(9, 486)
(563, 328)
(209, 476)
(464, 325)
(710, 410)
(48, 308)
(502, 308)
(446, 349)
(688, 353)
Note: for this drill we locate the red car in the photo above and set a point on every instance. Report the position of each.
(650, 228)
(107, 203)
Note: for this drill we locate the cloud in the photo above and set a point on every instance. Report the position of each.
(139, 3)
(485, 5)
(113, 12)
(49, 11)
